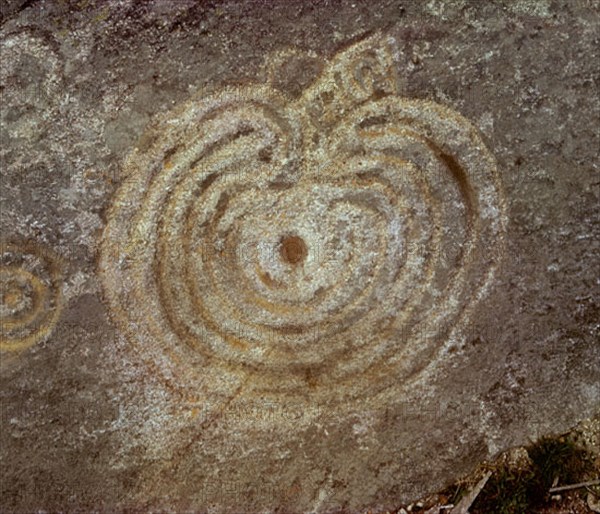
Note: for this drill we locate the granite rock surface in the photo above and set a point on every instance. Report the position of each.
(291, 257)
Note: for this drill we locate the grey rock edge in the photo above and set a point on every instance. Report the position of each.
(87, 424)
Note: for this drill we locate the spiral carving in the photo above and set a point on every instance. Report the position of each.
(331, 242)
(30, 294)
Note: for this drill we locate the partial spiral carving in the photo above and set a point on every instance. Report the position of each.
(31, 76)
(331, 243)
(30, 294)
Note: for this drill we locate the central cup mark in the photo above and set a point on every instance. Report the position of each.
(293, 249)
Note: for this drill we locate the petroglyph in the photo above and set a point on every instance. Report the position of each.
(294, 245)
(30, 294)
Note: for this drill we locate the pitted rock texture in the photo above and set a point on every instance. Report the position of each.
(290, 257)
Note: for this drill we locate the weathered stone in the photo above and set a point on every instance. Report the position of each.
(293, 257)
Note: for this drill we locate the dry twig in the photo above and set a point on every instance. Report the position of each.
(465, 503)
(573, 486)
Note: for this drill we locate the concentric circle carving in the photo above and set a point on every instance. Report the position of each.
(30, 294)
(326, 244)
